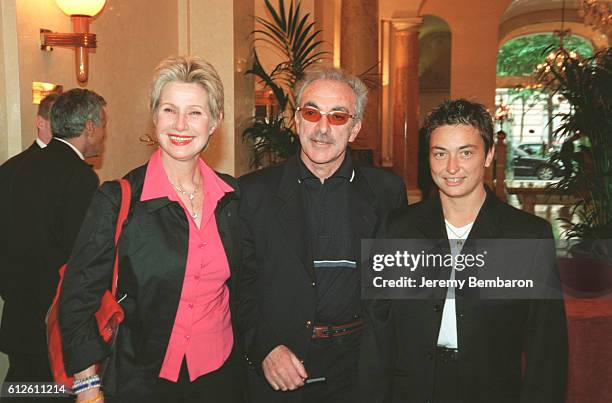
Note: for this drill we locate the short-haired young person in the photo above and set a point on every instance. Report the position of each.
(453, 348)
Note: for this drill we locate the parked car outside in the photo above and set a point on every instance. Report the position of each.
(534, 165)
(538, 149)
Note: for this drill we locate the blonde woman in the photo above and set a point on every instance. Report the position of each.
(178, 256)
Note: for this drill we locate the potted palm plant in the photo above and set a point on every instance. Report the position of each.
(586, 85)
(294, 37)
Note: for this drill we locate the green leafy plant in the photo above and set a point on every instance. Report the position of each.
(293, 36)
(520, 56)
(586, 85)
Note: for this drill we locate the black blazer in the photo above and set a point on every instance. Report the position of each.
(152, 257)
(43, 205)
(492, 334)
(7, 170)
(10, 166)
(277, 294)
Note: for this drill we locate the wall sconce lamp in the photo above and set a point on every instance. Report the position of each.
(81, 13)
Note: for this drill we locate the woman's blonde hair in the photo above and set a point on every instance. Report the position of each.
(188, 69)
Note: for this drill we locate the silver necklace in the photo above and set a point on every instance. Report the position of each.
(459, 236)
(190, 196)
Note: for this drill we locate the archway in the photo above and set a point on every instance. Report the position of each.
(434, 63)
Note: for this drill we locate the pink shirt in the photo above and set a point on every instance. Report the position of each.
(202, 331)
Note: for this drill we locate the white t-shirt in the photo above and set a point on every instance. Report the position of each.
(448, 328)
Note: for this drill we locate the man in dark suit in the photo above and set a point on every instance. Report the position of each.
(8, 169)
(43, 128)
(46, 200)
(456, 347)
(300, 312)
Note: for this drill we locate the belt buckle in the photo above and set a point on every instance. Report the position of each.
(320, 332)
(330, 331)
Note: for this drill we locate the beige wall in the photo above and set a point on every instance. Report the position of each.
(473, 46)
(474, 26)
(133, 36)
(218, 30)
(120, 68)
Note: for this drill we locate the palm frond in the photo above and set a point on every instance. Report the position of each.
(586, 85)
(258, 71)
(293, 36)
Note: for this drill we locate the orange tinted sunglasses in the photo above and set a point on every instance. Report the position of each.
(335, 118)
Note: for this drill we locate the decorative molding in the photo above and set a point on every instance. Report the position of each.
(408, 25)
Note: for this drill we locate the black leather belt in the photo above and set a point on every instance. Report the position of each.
(446, 354)
(325, 332)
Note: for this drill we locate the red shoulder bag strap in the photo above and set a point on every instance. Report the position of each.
(126, 196)
(126, 199)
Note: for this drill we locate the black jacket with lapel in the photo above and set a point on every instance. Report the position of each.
(493, 335)
(277, 291)
(7, 170)
(42, 210)
(10, 166)
(152, 257)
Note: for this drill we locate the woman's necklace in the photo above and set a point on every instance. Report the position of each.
(190, 196)
(459, 236)
(455, 233)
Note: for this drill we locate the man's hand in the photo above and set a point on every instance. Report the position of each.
(283, 369)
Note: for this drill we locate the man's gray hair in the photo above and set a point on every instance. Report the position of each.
(335, 74)
(73, 109)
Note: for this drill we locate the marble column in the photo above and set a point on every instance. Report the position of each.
(405, 87)
(358, 55)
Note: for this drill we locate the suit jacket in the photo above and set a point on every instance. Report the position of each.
(42, 210)
(277, 292)
(492, 334)
(11, 165)
(7, 170)
(152, 257)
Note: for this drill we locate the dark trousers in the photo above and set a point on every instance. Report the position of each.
(446, 378)
(336, 359)
(225, 385)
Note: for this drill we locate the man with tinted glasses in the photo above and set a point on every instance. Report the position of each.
(300, 315)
